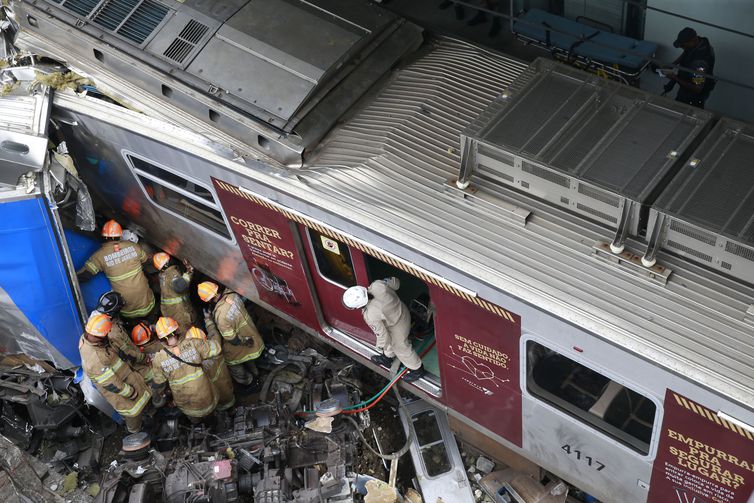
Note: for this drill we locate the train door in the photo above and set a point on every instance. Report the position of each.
(415, 295)
(335, 267)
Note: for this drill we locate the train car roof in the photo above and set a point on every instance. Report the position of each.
(392, 161)
(385, 169)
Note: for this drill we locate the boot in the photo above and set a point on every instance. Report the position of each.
(383, 360)
(413, 375)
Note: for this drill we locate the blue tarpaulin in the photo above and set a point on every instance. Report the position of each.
(38, 313)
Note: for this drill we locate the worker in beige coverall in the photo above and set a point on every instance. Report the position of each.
(121, 386)
(121, 262)
(390, 320)
(174, 291)
(180, 364)
(242, 343)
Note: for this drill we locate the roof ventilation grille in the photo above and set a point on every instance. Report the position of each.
(186, 40)
(143, 21)
(114, 12)
(81, 7)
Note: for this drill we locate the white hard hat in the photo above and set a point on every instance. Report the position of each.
(355, 297)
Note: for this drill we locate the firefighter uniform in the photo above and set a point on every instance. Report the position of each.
(174, 298)
(121, 262)
(218, 372)
(390, 320)
(129, 352)
(181, 367)
(122, 387)
(241, 340)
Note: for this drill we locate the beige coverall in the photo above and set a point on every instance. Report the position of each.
(390, 320)
(173, 304)
(241, 340)
(192, 389)
(218, 372)
(121, 262)
(122, 387)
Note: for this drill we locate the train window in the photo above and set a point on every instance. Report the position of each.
(179, 195)
(593, 398)
(333, 259)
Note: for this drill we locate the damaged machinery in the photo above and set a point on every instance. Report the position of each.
(291, 445)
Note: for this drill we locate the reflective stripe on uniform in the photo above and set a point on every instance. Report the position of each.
(199, 412)
(174, 300)
(139, 312)
(191, 377)
(228, 405)
(126, 391)
(250, 356)
(137, 408)
(229, 334)
(125, 275)
(214, 349)
(92, 267)
(108, 373)
(219, 370)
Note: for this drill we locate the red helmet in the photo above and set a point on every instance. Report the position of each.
(141, 334)
(160, 259)
(112, 229)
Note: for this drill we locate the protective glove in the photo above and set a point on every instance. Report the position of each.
(668, 87)
(126, 357)
(133, 394)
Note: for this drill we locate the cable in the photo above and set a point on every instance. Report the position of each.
(409, 438)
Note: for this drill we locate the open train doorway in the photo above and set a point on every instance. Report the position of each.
(415, 294)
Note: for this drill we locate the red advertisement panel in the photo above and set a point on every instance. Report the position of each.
(266, 241)
(479, 356)
(701, 458)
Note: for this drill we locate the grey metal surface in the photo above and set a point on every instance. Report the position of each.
(23, 133)
(276, 74)
(710, 205)
(579, 141)
(389, 163)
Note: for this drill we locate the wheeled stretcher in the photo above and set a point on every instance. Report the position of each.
(607, 54)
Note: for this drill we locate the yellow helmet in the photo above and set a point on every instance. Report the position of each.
(99, 325)
(165, 326)
(207, 290)
(196, 333)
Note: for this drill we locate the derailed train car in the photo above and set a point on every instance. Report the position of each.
(585, 250)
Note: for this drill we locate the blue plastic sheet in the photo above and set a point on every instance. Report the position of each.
(34, 278)
(81, 248)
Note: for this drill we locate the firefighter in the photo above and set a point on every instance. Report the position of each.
(242, 343)
(390, 320)
(121, 262)
(174, 290)
(141, 336)
(111, 303)
(216, 369)
(180, 364)
(121, 386)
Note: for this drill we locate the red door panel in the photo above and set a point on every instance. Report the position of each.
(267, 243)
(329, 260)
(702, 458)
(479, 358)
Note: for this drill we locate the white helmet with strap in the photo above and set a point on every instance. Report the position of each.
(355, 297)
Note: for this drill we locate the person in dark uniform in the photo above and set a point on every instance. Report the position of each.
(693, 87)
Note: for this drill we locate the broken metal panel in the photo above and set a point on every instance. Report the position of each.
(707, 213)
(40, 316)
(23, 133)
(581, 142)
(439, 467)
